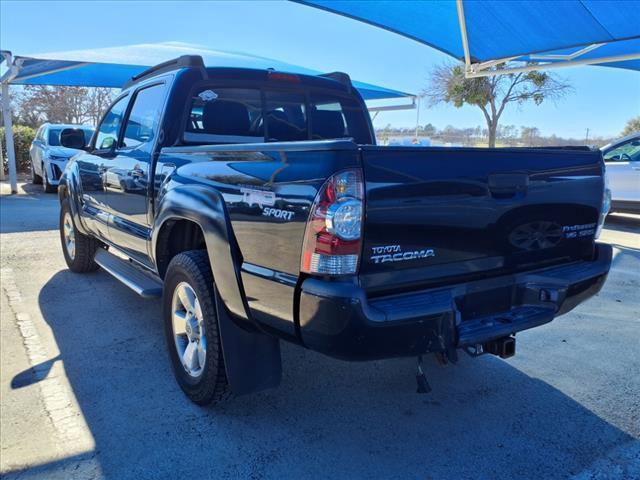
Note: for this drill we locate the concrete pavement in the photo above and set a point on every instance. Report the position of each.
(87, 391)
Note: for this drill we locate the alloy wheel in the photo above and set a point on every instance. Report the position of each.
(69, 233)
(188, 329)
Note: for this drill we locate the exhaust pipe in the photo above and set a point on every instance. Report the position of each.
(504, 347)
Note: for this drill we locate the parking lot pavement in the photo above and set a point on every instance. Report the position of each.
(87, 390)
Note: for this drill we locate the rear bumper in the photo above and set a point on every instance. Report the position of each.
(337, 318)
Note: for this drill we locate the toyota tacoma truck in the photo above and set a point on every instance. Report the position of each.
(257, 207)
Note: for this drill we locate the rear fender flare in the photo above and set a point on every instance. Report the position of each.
(252, 358)
(206, 207)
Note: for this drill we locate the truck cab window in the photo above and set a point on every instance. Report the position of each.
(225, 115)
(109, 128)
(142, 124)
(286, 117)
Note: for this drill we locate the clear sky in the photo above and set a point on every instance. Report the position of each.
(603, 100)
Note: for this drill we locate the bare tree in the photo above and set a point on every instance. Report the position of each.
(492, 94)
(59, 104)
(98, 101)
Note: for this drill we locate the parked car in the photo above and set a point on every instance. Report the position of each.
(49, 156)
(622, 161)
(256, 206)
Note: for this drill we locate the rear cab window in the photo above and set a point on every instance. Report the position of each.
(226, 115)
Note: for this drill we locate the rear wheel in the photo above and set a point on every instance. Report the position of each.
(78, 249)
(191, 327)
(46, 186)
(35, 178)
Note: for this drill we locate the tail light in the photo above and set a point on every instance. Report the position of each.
(333, 237)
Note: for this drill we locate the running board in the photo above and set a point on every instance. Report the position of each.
(134, 277)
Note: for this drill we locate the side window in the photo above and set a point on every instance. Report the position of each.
(286, 117)
(627, 152)
(108, 130)
(54, 137)
(40, 134)
(144, 116)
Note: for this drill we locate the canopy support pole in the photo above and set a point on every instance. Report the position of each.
(463, 33)
(475, 72)
(9, 75)
(391, 108)
(8, 135)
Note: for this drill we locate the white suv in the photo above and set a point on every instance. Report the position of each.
(622, 160)
(49, 156)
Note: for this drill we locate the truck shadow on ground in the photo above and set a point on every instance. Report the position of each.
(329, 419)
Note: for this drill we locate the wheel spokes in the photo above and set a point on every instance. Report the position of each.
(187, 297)
(190, 357)
(179, 323)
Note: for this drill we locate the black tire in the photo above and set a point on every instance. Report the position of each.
(81, 260)
(46, 186)
(35, 178)
(211, 385)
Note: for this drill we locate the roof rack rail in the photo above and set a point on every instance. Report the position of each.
(341, 77)
(185, 61)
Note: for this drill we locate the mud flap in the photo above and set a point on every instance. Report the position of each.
(252, 359)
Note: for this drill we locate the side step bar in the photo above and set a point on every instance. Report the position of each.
(134, 277)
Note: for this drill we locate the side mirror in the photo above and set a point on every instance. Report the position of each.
(107, 148)
(72, 138)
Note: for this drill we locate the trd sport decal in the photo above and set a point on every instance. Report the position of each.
(394, 253)
(277, 213)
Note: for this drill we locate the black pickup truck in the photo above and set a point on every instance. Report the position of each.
(257, 206)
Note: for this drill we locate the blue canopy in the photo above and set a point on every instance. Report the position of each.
(112, 67)
(507, 29)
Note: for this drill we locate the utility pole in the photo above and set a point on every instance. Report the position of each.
(586, 139)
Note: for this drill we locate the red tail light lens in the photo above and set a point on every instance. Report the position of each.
(333, 238)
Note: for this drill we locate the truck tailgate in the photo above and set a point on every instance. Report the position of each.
(438, 215)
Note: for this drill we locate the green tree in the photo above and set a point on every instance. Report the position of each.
(492, 94)
(633, 125)
(22, 138)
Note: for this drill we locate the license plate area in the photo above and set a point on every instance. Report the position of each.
(485, 303)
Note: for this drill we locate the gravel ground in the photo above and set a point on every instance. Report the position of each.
(87, 390)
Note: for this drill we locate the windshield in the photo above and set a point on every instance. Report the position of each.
(627, 152)
(54, 136)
